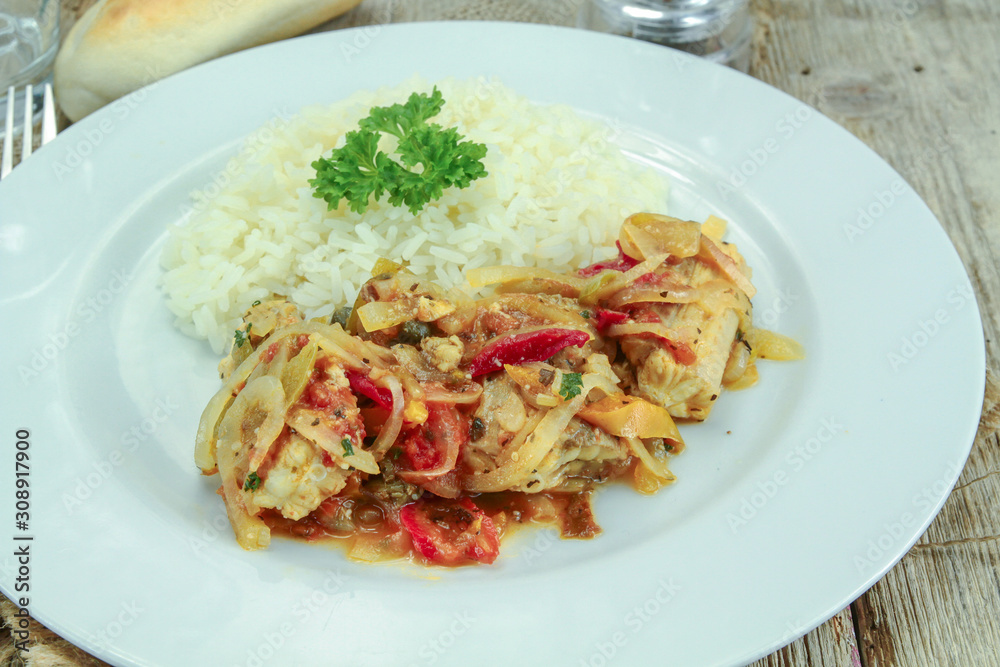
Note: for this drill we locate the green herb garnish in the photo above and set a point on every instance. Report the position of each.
(251, 482)
(585, 314)
(348, 447)
(571, 385)
(360, 170)
(242, 336)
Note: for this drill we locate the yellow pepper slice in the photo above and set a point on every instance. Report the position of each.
(631, 417)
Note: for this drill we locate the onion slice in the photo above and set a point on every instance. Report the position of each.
(643, 235)
(665, 292)
(713, 255)
(499, 275)
(523, 455)
(605, 284)
(329, 441)
(242, 440)
(657, 467)
(434, 392)
(353, 352)
(390, 430)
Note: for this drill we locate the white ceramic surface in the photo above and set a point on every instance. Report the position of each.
(793, 498)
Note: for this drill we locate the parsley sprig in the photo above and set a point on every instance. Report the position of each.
(432, 158)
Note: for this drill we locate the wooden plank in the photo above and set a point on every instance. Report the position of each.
(832, 644)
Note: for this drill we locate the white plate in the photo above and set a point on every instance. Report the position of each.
(794, 498)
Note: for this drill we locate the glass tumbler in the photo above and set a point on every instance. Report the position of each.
(29, 39)
(719, 30)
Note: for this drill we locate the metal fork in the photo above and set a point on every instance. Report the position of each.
(48, 126)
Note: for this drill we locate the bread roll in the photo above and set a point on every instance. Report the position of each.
(118, 46)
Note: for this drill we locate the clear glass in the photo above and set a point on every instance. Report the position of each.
(29, 39)
(720, 30)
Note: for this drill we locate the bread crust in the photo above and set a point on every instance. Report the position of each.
(118, 46)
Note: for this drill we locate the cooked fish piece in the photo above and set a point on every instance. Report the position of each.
(583, 456)
(707, 328)
(297, 480)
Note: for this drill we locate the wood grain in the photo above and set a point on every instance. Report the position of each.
(919, 82)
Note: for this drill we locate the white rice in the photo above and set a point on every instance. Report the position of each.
(557, 191)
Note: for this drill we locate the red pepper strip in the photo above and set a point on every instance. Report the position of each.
(683, 354)
(361, 384)
(621, 263)
(524, 347)
(604, 318)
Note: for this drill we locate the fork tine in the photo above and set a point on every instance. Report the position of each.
(48, 116)
(8, 138)
(27, 135)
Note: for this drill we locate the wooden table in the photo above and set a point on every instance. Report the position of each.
(919, 82)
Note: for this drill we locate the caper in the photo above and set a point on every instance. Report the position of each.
(412, 332)
(341, 315)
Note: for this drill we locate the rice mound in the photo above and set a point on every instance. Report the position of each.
(557, 191)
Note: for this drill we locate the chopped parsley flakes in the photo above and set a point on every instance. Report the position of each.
(251, 482)
(571, 385)
(242, 336)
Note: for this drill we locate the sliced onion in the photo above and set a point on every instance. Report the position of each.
(657, 467)
(600, 382)
(378, 315)
(528, 376)
(240, 444)
(646, 234)
(748, 379)
(666, 292)
(275, 364)
(619, 281)
(714, 255)
(207, 435)
(296, 373)
(636, 242)
(770, 345)
(436, 393)
(263, 395)
(390, 430)
(523, 455)
(534, 306)
(329, 440)
(351, 349)
(499, 275)
(714, 227)
(332, 338)
(639, 328)
(736, 365)
(413, 389)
